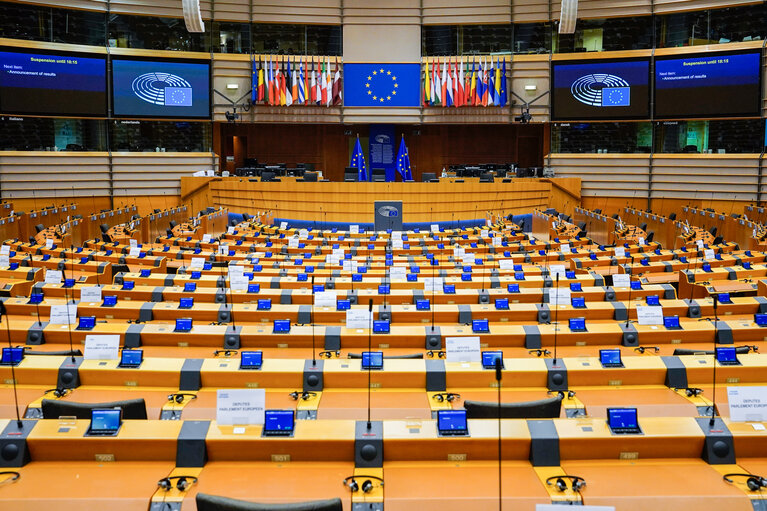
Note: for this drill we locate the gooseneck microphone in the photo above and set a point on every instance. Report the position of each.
(370, 343)
(498, 368)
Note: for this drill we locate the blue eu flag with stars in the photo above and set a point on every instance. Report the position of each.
(403, 162)
(616, 96)
(382, 85)
(358, 162)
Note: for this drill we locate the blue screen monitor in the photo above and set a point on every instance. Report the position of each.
(46, 257)
(183, 325)
(707, 268)
(105, 421)
(569, 275)
(186, 303)
(145, 272)
(422, 305)
(724, 298)
(383, 289)
(343, 305)
(12, 356)
(302, 277)
(671, 322)
(502, 303)
(190, 287)
(109, 301)
(412, 277)
(35, 298)
(279, 422)
(489, 358)
(281, 326)
(623, 421)
(746, 265)
(727, 356)
(448, 289)
(610, 358)
(196, 275)
(86, 323)
(578, 302)
(760, 319)
(512, 288)
(593, 256)
(254, 288)
(381, 327)
(653, 300)
(452, 423)
(155, 88)
(264, 304)
(577, 324)
(372, 360)
(69, 283)
(415, 269)
(636, 285)
(131, 358)
(467, 269)
(356, 277)
(52, 83)
(14, 266)
(518, 275)
(84, 260)
(251, 359)
(465, 277)
(128, 285)
(318, 288)
(576, 286)
(480, 326)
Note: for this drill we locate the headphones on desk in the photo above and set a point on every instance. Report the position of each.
(690, 391)
(438, 354)
(754, 482)
(14, 476)
(178, 397)
(577, 484)
(182, 485)
(330, 354)
(446, 396)
(304, 395)
(367, 484)
(541, 352)
(58, 392)
(561, 393)
(642, 349)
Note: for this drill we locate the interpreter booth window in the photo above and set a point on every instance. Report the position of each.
(324, 40)
(532, 37)
(601, 137)
(712, 26)
(287, 39)
(38, 23)
(160, 136)
(229, 37)
(153, 33)
(439, 40)
(46, 134)
(613, 34)
(712, 137)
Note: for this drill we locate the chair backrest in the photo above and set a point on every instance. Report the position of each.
(267, 175)
(548, 408)
(350, 174)
(54, 408)
(428, 176)
(310, 177)
(486, 177)
(378, 175)
(207, 502)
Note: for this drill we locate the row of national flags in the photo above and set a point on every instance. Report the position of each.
(482, 84)
(293, 83)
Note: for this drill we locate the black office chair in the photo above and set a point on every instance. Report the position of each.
(549, 408)
(207, 502)
(643, 226)
(39, 228)
(486, 177)
(428, 177)
(378, 175)
(350, 174)
(267, 176)
(310, 177)
(650, 236)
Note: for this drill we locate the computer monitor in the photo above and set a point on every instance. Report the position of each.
(576, 287)
(109, 301)
(519, 275)
(489, 358)
(190, 287)
(145, 272)
(502, 303)
(196, 275)
(86, 323)
(760, 319)
(12, 356)
(131, 359)
(183, 325)
(281, 326)
(577, 324)
(105, 422)
(727, 356)
(279, 423)
(186, 303)
(343, 305)
(636, 285)
(251, 360)
(452, 423)
(671, 322)
(254, 288)
(35, 298)
(578, 302)
(69, 283)
(448, 289)
(465, 277)
(653, 300)
(264, 304)
(480, 326)
(623, 421)
(128, 285)
(422, 305)
(512, 288)
(381, 327)
(610, 358)
(383, 289)
(724, 298)
(372, 360)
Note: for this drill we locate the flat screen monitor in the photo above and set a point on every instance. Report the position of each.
(577, 324)
(512, 288)
(489, 358)
(502, 303)
(52, 83)
(343, 305)
(576, 286)
(452, 423)
(578, 302)
(636, 285)
(264, 304)
(372, 360)
(623, 421)
(86, 323)
(653, 300)
(381, 327)
(131, 358)
(35, 298)
(718, 84)
(12, 356)
(196, 275)
(109, 301)
(254, 288)
(279, 422)
(281, 326)
(190, 287)
(183, 325)
(727, 356)
(161, 88)
(724, 298)
(610, 358)
(186, 303)
(251, 359)
(128, 285)
(480, 326)
(145, 272)
(601, 89)
(105, 422)
(448, 289)
(760, 319)
(422, 305)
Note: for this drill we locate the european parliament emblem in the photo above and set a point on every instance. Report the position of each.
(601, 89)
(616, 96)
(382, 85)
(163, 89)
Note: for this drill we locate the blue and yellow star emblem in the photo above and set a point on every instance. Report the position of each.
(381, 85)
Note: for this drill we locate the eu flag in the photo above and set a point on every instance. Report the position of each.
(383, 85)
(358, 162)
(403, 162)
(616, 96)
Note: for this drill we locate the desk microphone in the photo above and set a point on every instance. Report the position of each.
(4, 312)
(716, 331)
(556, 323)
(69, 319)
(351, 270)
(628, 301)
(498, 368)
(370, 343)
(314, 355)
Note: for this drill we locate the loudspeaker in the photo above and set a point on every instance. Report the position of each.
(568, 16)
(193, 16)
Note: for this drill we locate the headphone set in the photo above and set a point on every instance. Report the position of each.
(367, 484)
(539, 352)
(178, 397)
(304, 395)
(182, 485)
(226, 353)
(14, 476)
(577, 484)
(330, 354)
(561, 393)
(691, 391)
(438, 354)
(446, 396)
(58, 392)
(642, 349)
(754, 482)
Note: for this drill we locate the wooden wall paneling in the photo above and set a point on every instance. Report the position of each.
(667, 6)
(47, 174)
(155, 174)
(530, 70)
(229, 68)
(712, 176)
(625, 175)
(231, 10)
(297, 11)
(606, 8)
(527, 11)
(442, 12)
(88, 5)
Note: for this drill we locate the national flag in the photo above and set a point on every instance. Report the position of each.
(504, 98)
(491, 84)
(358, 162)
(444, 84)
(329, 81)
(253, 80)
(337, 93)
(436, 96)
(497, 96)
(403, 162)
(426, 86)
(270, 84)
(461, 89)
(323, 96)
(283, 88)
(473, 87)
(261, 83)
(480, 83)
(288, 85)
(313, 88)
(484, 83)
(294, 83)
(302, 86)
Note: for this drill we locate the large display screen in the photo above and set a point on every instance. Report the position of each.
(153, 88)
(601, 89)
(52, 83)
(714, 85)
